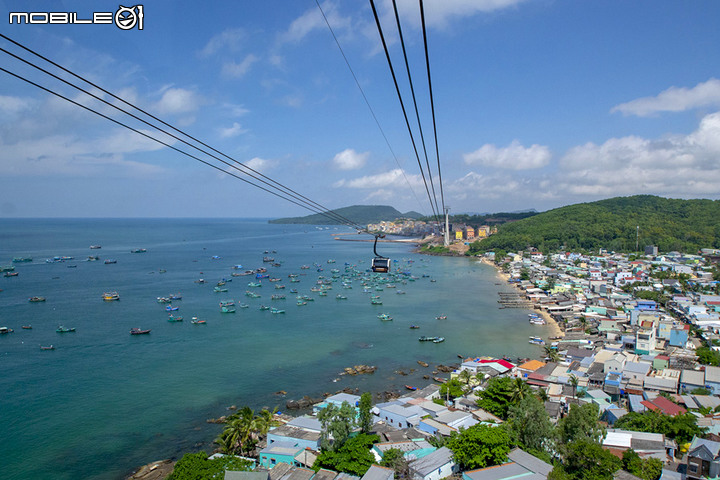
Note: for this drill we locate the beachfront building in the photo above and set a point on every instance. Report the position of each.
(279, 452)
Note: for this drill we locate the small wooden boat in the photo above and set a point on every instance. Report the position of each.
(10, 274)
(4, 330)
(62, 329)
(225, 309)
(110, 261)
(441, 317)
(95, 247)
(170, 308)
(138, 331)
(36, 299)
(49, 347)
(439, 380)
(414, 327)
(385, 317)
(27, 327)
(276, 310)
(173, 318)
(138, 250)
(439, 339)
(220, 289)
(196, 321)
(410, 387)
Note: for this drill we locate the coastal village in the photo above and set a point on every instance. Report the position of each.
(634, 336)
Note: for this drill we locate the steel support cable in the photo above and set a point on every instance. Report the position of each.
(417, 112)
(340, 219)
(367, 102)
(402, 105)
(150, 137)
(316, 206)
(432, 103)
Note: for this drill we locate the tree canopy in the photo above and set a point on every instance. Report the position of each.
(197, 466)
(671, 224)
(479, 446)
(353, 457)
(682, 428)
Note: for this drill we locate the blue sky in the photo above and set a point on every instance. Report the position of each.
(539, 104)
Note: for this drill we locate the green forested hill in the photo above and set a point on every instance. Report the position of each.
(361, 214)
(671, 224)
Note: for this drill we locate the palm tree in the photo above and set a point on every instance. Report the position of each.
(551, 353)
(574, 383)
(244, 429)
(518, 390)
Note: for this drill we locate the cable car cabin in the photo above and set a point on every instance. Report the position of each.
(381, 264)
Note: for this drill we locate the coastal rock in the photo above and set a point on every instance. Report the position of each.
(232, 407)
(444, 368)
(292, 405)
(359, 370)
(153, 471)
(423, 364)
(222, 419)
(281, 392)
(426, 377)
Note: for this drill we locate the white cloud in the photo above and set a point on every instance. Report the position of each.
(226, 41)
(674, 99)
(349, 159)
(680, 165)
(440, 13)
(312, 20)
(513, 157)
(13, 104)
(178, 100)
(238, 70)
(233, 131)
(385, 179)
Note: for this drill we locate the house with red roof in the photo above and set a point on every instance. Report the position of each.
(664, 406)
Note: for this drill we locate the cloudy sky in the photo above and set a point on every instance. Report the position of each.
(539, 104)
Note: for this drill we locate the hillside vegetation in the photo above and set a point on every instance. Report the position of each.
(671, 224)
(361, 214)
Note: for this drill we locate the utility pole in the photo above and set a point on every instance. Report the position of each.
(447, 227)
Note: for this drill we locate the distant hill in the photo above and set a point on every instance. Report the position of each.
(671, 224)
(360, 214)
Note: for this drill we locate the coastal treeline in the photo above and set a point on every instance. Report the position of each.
(616, 224)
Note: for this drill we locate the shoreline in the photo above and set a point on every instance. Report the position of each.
(152, 470)
(551, 322)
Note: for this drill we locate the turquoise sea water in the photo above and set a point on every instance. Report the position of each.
(104, 401)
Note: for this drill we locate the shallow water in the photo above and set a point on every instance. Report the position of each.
(104, 402)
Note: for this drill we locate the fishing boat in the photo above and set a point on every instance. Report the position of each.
(341, 297)
(163, 300)
(227, 303)
(95, 247)
(400, 292)
(175, 296)
(410, 388)
(138, 250)
(251, 294)
(173, 318)
(385, 317)
(426, 339)
(22, 259)
(111, 296)
(110, 261)
(300, 303)
(414, 327)
(138, 331)
(4, 330)
(254, 284)
(264, 307)
(62, 329)
(244, 305)
(536, 341)
(220, 289)
(277, 297)
(200, 280)
(36, 299)
(376, 301)
(276, 310)
(229, 309)
(48, 347)
(438, 340)
(441, 317)
(279, 287)
(195, 321)
(10, 274)
(170, 308)
(27, 327)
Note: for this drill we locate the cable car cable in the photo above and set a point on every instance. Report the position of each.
(432, 102)
(402, 105)
(417, 112)
(367, 102)
(338, 218)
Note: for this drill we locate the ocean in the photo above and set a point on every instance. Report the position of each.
(104, 402)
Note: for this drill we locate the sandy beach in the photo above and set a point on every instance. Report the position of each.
(556, 331)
